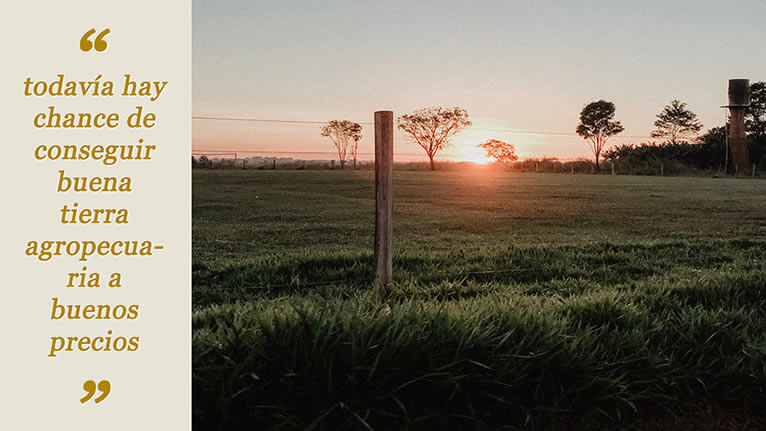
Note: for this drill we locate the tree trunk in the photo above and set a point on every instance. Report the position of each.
(431, 158)
(356, 151)
(342, 164)
(598, 169)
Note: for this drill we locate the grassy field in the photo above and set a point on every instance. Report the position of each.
(521, 301)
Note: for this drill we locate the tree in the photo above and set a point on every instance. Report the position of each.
(755, 124)
(597, 125)
(341, 133)
(755, 114)
(356, 136)
(432, 128)
(502, 152)
(676, 124)
(205, 162)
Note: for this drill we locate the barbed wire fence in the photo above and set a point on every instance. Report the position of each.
(253, 155)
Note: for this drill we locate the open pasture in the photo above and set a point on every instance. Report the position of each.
(521, 301)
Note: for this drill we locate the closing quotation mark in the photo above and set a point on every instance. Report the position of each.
(90, 389)
(99, 43)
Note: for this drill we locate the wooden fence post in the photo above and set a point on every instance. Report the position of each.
(384, 161)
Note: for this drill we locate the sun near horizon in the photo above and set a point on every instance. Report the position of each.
(468, 151)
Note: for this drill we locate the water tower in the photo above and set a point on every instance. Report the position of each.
(739, 100)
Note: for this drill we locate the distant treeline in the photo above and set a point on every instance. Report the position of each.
(706, 155)
(547, 164)
(270, 163)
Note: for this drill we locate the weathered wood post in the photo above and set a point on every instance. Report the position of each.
(384, 162)
(739, 100)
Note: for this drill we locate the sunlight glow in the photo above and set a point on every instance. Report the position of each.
(465, 148)
(471, 153)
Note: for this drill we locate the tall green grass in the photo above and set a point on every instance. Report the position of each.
(588, 337)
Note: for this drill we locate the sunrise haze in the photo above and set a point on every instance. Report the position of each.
(524, 66)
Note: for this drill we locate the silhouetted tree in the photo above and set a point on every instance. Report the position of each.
(755, 115)
(341, 133)
(502, 152)
(597, 125)
(205, 162)
(755, 124)
(676, 124)
(432, 128)
(356, 136)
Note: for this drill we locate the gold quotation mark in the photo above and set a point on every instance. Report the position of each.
(99, 44)
(90, 389)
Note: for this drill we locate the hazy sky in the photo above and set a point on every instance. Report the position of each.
(513, 65)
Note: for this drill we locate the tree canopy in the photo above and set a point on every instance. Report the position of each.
(597, 125)
(676, 124)
(501, 151)
(342, 133)
(432, 128)
(755, 115)
(355, 136)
